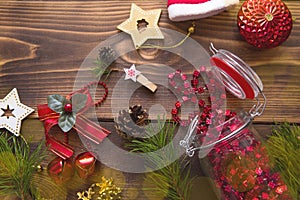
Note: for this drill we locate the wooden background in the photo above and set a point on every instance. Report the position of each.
(43, 43)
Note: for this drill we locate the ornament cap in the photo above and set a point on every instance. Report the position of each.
(269, 17)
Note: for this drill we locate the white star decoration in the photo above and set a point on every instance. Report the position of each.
(131, 73)
(12, 111)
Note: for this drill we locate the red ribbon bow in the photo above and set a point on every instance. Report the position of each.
(89, 129)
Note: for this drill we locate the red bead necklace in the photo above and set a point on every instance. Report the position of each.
(192, 93)
(188, 91)
(88, 86)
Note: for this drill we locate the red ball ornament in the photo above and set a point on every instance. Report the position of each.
(264, 23)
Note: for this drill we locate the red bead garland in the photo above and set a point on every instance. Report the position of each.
(191, 92)
(89, 85)
(188, 94)
(100, 101)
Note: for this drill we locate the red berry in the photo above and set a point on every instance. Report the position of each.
(196, 74)
(68, 108)
(201, 103)
(177, 104)
(174, 111)
(194, 82)
(200, 90)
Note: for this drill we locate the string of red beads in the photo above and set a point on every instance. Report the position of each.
(192, 92)
(100, 101)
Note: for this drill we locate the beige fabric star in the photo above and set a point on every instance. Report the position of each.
(150, 30)
(12, 112)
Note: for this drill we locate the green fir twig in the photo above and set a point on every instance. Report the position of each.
(170, 180)
(284, 150)
(100, 69)
(17, 166)
(105, 57)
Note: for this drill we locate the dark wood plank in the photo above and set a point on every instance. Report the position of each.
(57, 36)
(43, 44)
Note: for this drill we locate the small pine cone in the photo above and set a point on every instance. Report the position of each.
(129, 123)
(107, 55)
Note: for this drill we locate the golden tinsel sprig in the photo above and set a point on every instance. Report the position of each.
(105, 189)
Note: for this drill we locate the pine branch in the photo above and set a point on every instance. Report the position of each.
(17, 166)
(100, 68)
(284, 150)
(105, 57)
(170, 179)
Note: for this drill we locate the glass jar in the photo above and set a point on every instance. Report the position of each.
(240, 80)
(237, 160)
(240, 166)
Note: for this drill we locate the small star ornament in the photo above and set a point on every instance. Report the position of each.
(137, 76)
(12, 112)
(131, 73)
(142, 25)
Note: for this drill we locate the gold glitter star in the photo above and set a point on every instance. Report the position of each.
(142, 25)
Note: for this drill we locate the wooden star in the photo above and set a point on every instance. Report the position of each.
(12, 112)
(142, 25)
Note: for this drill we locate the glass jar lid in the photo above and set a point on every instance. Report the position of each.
(238, 77)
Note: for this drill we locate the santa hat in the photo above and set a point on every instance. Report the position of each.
(181, 10)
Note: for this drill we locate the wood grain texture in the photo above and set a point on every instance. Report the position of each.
(63, 33)
(43, 44)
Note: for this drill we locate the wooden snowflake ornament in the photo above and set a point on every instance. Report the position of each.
(12, 112)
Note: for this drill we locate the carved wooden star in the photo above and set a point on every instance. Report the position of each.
(12, 112)
(142, 25)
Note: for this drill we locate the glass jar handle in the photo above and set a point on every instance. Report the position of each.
(241, 121)
(239, 79)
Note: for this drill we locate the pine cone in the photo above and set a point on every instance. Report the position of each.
(129, 123)
(107, 55)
